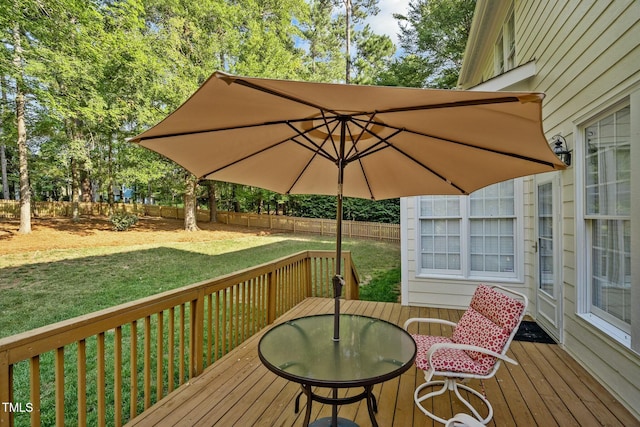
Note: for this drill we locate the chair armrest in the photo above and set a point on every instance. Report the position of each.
(427, 320)
(467, 347)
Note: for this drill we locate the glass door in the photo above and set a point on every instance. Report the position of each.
(548, 256)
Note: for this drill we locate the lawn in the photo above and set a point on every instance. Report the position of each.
(65, 269)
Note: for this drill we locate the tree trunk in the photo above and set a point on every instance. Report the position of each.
(234, 196)
(213, 206)
(190, 216)
(110, 180)
(25, 190)
(75, 189)
(3, 154)
(87, 192)
(347, 6)
(5, 181)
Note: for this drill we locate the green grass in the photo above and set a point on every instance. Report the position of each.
(40, 288)
(384, 286)
(44, 287)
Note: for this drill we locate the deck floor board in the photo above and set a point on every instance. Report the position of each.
(547, 387)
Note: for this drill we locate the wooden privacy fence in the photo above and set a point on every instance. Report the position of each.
(324, 227)
(107, 367)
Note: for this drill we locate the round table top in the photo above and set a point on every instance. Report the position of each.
(369, 351)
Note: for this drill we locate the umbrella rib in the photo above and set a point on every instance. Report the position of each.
(443, 178)
(330, 133)
(222, 129)
(371, 150)
(318, 148)
(464, 144)
(364, 128)
(469, 103)
(319, 152)
(248, 156)
(273, 92)
(354, 148)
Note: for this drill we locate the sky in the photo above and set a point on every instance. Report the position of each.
(384, 22)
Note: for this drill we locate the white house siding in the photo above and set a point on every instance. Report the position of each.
(587, 58)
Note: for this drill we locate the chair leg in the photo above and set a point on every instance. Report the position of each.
(452, 385)
(471, 408)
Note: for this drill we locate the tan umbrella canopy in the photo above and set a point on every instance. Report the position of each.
(370, 142)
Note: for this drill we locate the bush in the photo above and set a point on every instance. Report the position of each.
(123, 221)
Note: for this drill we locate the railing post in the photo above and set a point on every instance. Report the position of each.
(350, 282)
(196, 343)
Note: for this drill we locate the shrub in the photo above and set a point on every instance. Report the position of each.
(123, 221)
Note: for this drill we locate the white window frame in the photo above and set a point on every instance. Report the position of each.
(465, 273)
(504, 55)
(603, 321)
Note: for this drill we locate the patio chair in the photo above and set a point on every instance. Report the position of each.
(479, 343)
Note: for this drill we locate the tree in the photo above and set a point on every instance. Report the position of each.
(324, 59)
(373, 54)
(63, 63)
(25, 190)
(433, 35)
(354, 13)
(267, 38)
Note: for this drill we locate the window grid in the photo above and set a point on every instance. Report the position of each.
(470, 236)
(607, 217)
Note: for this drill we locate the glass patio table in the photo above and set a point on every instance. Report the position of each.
(370, 351)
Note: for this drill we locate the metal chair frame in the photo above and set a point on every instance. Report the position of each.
(453, 380)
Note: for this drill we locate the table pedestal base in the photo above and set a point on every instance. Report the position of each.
(326, 422)
(334, 421)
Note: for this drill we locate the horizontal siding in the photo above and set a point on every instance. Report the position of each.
(587, 56)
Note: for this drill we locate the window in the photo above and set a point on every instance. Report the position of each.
(505, 47)
(607, 218)
(474, 236)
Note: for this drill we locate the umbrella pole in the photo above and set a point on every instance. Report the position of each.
(338, 281)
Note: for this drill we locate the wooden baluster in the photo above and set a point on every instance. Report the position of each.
(82, 383)
(147, 362)
(209, 329)
(101, 381)
(181, 346)
(171, 351)
(217, 330)
(59, 385)
(238, 315)
(34, 381)
(223, 337)
(133, 391)
(196, 338)
(159, 354)
(117, 376)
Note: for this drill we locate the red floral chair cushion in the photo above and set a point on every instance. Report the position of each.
(487, 323)
(497, 307)
(445, 359)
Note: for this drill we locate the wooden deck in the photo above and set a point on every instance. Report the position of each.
(547, 388)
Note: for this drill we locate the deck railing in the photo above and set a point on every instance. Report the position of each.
(107, 367)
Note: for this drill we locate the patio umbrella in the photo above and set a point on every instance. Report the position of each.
(370, 142)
